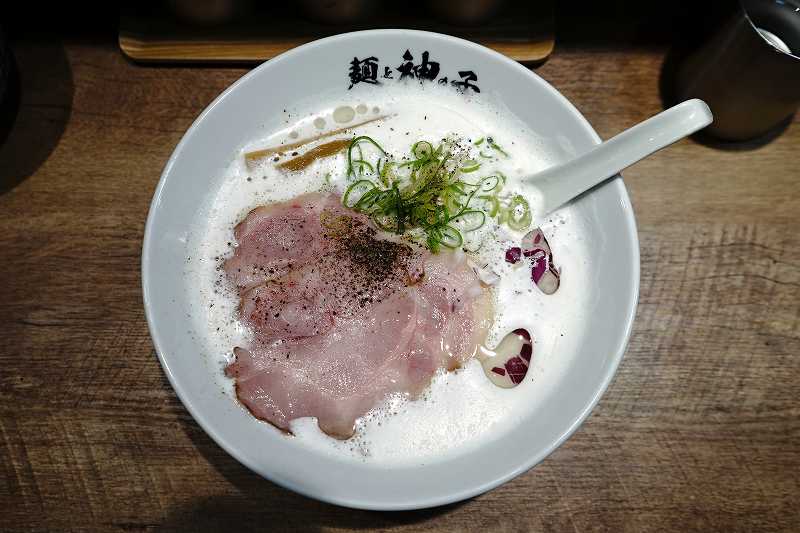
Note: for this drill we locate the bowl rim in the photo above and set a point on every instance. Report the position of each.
(409, 503)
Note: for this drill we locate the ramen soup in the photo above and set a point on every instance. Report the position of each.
(368, 281)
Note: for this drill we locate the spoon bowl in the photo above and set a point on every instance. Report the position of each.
(555, 186)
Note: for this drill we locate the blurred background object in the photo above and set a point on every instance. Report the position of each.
(250, 32)
(465, 12)
(5, 66)
(339, 11)
(8, 107)
(35, 109)
(209, 12)
(746, 70)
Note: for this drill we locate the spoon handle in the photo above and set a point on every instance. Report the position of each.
(562, 183)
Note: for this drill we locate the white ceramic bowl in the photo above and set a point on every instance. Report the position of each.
(253, 105)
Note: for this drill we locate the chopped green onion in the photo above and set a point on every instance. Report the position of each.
(422, 150)
(429, 199)
(471, 220)
(519, 214)
(452, 198)
(355, 144)
(493, 202)
(489, 183)
(384, 173)
(357, 190)
(502, 183)
(450, 237)
(495, 146)
(478, 142)
(367, 200)
(470, 165)
(361, 163)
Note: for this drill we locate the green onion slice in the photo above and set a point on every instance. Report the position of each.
(470, 165)
(355, 144)
(494, 204)
(422, 150)
(430, 199)
(356, 192)
(495, 146)
(519, 214)
(450, 237)
(471, 219)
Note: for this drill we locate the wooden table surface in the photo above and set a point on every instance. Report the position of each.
(699, 431)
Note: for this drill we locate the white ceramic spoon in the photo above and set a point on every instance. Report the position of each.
(555, 186)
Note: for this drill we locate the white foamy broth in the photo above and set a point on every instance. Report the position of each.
(460, 409)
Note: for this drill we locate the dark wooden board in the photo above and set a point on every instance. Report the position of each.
(522, 30)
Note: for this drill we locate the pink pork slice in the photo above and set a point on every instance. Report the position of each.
(338, 331)
(274, 239)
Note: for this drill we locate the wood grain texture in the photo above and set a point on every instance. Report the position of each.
(146, 49)
(700, 430)
(521, 29)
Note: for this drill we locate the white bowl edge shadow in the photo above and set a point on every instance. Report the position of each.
(409, 502)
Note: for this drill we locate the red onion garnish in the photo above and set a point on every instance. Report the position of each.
(516, 368)
(523, 333)
(513, 255)
(539, 262)
(536, 249)
(508, 364)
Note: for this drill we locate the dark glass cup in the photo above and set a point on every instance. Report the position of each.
(748, 71)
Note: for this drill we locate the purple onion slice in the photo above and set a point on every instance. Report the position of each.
(543, 272)
(507, 365)
(513, 255)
